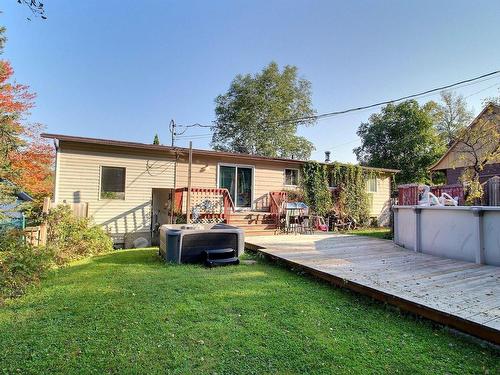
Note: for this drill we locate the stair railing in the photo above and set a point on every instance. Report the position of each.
(277, 200)
(200, 194)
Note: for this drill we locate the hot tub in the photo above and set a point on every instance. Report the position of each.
(186, 243)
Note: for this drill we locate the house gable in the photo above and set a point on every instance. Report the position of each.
(454, 158)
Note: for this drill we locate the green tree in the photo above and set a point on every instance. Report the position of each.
(254, 116)
(451, 116)
(156, 141)
(401, 136)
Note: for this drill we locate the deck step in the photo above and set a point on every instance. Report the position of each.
(222, 262)
(262, 232)
(246, 227)
(219, 254)
(252, 218)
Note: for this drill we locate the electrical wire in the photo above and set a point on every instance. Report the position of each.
(355, 109)
(433, 91)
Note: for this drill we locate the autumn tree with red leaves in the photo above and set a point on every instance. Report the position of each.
(25, 158)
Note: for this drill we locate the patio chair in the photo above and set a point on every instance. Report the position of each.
(307, 224)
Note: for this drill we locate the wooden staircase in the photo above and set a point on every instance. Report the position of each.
(255, 223)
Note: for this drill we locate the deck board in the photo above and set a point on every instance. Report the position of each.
(462, 294)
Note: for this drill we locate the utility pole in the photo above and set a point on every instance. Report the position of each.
(171, 127)
(188, 198)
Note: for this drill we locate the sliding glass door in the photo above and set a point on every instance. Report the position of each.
(239, 182)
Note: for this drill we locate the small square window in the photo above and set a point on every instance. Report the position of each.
(371, 185)
(291, 177)
(112, 183)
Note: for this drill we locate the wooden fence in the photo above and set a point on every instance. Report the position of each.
(408, 194)
(492, 191)
(37, 236)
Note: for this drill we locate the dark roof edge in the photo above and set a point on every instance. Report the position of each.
(145, 146)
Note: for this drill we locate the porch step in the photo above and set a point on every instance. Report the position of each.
(242, 218)
(249, 227)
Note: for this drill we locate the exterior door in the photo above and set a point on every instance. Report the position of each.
(239, 182)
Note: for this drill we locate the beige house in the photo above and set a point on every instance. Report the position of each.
(132, 188)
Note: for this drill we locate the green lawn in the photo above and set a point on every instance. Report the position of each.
(371, 232)
(127, 312)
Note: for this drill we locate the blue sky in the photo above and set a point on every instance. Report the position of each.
(123, 69)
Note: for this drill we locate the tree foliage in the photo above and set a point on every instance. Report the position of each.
(25, 159)
(492, 99)
(451, 116)
(156, 140)
(254, 115)
(401, 136)
(314, 183)
(36, 7)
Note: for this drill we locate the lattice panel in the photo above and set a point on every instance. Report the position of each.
(204, 204)
(205, 220)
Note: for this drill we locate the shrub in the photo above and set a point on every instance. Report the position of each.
(295, 195)
(20, 264)
(72, 237)
(350, 196)
(68, 238)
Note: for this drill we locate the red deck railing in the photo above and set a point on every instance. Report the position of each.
(200, 194)
(276, 201)
(408, 194)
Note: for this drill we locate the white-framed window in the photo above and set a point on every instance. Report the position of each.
(291, 177)
(371, 185)
(112, 183)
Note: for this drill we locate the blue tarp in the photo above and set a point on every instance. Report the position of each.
(296, 206)
(9, 223)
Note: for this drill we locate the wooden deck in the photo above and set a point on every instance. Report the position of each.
(462, 295)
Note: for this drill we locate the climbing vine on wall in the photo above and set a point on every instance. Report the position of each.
(314, 180)
(350, 197)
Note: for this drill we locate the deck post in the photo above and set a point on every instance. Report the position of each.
(478, 226)
(418, 229)
(395, 225)
(188, 197)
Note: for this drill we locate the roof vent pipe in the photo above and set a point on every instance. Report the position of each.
(327, 156)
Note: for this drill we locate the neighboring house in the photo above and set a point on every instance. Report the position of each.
(131, 187)
(11, 214)
(455, 160)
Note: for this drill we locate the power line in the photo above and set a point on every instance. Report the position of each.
(463, 83)
(486, 88)
(335, 113)
(195, 136)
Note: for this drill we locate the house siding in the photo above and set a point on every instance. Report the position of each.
(490, 170)
(381, 200)
(268, 175)
(78, 180)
